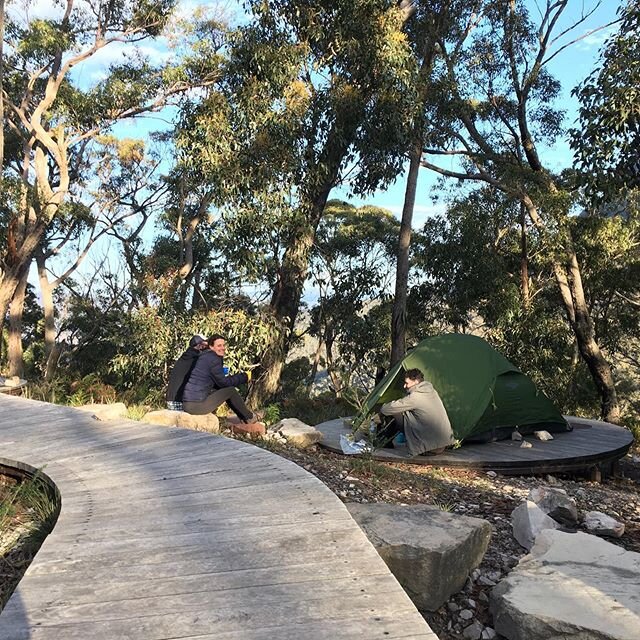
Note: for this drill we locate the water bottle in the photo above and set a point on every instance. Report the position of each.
(225, 370)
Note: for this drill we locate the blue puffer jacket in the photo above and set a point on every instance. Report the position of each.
(208, 376)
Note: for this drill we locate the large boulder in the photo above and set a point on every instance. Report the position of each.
(113, 411)
(528, 520)
(297, 433)
(571, 585)
(556, 504)
(208, 422)
(429, 551)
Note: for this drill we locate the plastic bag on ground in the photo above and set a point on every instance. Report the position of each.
(351, 448)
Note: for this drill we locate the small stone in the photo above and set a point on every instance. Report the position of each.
(601, 524)
(543, 435)
(483, 597)
(486, 582)
(526, 445)
(471, 603)
(453, 607)
(516, 435)
(473, 631)
(466, 614)
(492, 474)
(488, 634)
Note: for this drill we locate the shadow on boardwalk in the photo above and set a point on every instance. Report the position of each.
(167, 533)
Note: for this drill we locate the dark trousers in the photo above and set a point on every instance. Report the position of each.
(388, 428)
(209, 405)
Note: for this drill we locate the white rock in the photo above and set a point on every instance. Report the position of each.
(570, 586)
(488, 634)
(543, 435)
(297, 433)
(528, 520)
(492, 474)
(516, 435)
(112, 411)
(603, 525)
(526, 445)
(466, 614)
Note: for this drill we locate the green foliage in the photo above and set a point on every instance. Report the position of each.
(271, 414)
(295, 376)
(314, 410)
(91, 389)
(151, 340)
(607, 140)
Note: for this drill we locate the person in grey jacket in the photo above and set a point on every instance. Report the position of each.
(421, 416)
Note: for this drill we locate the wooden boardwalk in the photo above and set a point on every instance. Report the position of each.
(591, 445)
(169, 533)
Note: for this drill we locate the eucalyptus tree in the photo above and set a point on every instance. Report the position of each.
(430, 22)
(494, 113)
(607, 139)
(351, 272)
(53, 118)
(316, 95)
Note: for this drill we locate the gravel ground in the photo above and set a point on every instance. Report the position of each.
(479, 494)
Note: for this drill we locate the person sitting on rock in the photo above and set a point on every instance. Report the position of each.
(421, 416)
(209, 385)
(181, 370)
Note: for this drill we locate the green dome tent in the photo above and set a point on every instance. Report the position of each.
(485, 396)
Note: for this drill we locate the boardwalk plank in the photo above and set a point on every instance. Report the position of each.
(166, 533)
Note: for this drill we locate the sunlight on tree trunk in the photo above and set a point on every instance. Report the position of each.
(14, 350)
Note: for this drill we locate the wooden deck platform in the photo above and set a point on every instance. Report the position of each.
(169, 533)
(592, 445)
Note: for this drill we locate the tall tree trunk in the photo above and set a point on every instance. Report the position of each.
(285, 303)
(16, 308)
(569, 280)
(46, 292)
(524, 259)
(1, 89)
(399, 313)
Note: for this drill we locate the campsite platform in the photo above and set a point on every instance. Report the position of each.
(592, 447)
(169, 533)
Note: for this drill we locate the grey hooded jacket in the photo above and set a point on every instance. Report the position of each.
(426, 424)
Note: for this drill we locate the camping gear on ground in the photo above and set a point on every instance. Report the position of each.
(486, 397)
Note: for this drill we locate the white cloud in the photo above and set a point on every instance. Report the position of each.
(596, 39)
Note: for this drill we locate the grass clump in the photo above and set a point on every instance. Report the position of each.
(29, 507)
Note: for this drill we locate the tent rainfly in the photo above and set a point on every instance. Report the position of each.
(485, 396)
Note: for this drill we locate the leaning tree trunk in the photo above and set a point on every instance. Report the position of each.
(584, 331)
(14, 350)
(569, 280)
(399, 313)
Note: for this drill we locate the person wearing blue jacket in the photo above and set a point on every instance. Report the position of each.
(209, 386)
